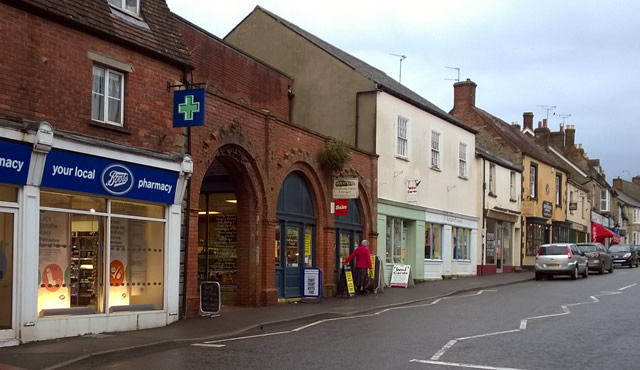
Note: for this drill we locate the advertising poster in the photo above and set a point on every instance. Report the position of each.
(118, 292)
(137, 256)
(400, 276)
(54, 260)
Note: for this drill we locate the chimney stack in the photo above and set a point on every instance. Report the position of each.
(464, 95)
(617, 183)
(636, 180)
(542, 134)
(527, 121)
(556, 139)
(515, 126)
(570, 136)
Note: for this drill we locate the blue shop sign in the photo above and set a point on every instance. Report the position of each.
(14, 162)
(188, 108)
(97, 175)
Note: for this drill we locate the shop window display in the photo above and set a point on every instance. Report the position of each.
(74, 251)
(433, 241)
(217, 236)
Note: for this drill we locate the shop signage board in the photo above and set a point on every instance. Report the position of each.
(345, 188)
(400, 275)
(97, 175)
(412, 194)
(188, 108)
(312, 282)
(345, 284)
(14, 162)
(341, 207)
(210, 298)
(547, 209)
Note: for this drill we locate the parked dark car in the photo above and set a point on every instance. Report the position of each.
(597, 256)
(624, 255)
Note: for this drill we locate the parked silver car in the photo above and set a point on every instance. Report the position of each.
(598, 257)
(561, 259)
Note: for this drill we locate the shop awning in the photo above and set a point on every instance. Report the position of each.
(599, 233)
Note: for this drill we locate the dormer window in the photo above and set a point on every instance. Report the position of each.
(130, 6)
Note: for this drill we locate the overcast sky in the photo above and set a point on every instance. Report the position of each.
(580, 56)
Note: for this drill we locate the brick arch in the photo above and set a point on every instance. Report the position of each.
(248, 185)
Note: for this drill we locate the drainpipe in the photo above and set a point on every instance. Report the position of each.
(484, 215)
(376, 90)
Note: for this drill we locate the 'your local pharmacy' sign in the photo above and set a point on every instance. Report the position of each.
(97, 175)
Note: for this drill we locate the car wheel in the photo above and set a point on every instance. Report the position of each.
(574, 274)
(585, 274)
(611, 268)
(538, 276)
(601, 271)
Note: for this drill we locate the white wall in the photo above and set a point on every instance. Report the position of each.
(440, 190)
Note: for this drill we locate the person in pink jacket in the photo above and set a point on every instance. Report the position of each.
(363, 264)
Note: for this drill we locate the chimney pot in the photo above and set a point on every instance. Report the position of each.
(544, 122)
(464, 95)
(527, 121)
(617, 183)
(636, 180)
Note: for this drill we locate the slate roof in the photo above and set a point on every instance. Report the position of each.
(155, 33)
(383, 81)
(628, 199)
(521, 141)
(484, 153)
(631, 189)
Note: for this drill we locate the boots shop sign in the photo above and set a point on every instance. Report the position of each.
(14, 162)
(97, 175)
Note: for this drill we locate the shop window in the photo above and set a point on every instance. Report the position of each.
(6, 269)
(75, 255)
(460, 243)
(107, 96)
(396, 240)
(535, 238)
(433, 241)
(8, 194)
(217, 228)
(490, 243)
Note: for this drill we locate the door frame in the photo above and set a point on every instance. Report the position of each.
(281, 270)
(8, 334)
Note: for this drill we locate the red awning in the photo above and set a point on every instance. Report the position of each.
(599, 233)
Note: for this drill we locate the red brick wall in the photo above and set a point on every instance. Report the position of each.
(235, 74)
(47, 75)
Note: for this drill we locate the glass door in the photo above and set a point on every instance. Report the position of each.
(7, 291)
(292, 262)
(499, 254)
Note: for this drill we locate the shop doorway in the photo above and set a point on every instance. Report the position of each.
(295, 235)
(348, 235)
(499, 245)
(8, 231)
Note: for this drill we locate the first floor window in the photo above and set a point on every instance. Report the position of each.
(433, 241)
(533, 181)
(107, 96)
(462, 160)
(636, 215)
(635, 240)
(492, 179)
(535, 238)
(402, 145)
(82, 244)
(460, 242)
(435, 149)
(512, 186)
(559, 190)
(604, 200)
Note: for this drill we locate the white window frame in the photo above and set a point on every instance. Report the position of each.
(402, 137)
(635, 238)
(512, 186)
(533, 181)
(604, 201)
(123, 6)
(105, 96)
(492, 179)
(558, 190)
(636, 215)
(435, 150)
(462, 160)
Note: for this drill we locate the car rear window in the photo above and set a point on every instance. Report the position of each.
(587, 248)
(549, 251)
(619, 248)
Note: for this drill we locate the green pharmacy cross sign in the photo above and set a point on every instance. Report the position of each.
(188, 108)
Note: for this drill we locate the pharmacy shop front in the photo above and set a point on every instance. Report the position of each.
(99, 242)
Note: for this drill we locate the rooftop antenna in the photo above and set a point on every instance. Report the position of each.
(563, 116)
(402, 57)
(547, 108)
(454, 79)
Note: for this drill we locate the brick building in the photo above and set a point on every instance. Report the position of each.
(260, 197)
(90, 204)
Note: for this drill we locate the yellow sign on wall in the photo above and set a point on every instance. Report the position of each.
(307, 244)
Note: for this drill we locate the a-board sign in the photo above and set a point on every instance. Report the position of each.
(210, 297)
(345, 284)
(400, 275)
(312, 283)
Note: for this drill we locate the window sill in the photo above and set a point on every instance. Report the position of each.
(492, 195)
(463, 178)
(436, 168)
(406, 159)
(513, 200)
(109, 127)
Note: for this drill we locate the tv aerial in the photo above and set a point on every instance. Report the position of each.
(402, 57)
(454, 79)
(547, 108)
(563, 116)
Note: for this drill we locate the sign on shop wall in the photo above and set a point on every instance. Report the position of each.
(54, 256)
(14, 162)
(412, 194)
(400, 275)
(547, 209)
(345, 188)
(188, 107)
(88, 174)
(341, 207)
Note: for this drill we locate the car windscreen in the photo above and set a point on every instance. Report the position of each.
(619, 248)
(587, 248)
(549, 251)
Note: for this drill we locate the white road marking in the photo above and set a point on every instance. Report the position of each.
(489, 334)
(628, 286)
(442, 350)
(208, 345)
(470, 366)
(248, 337)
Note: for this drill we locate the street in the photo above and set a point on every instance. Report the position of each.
(549, 324)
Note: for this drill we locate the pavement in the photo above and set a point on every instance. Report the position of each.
(70, 352)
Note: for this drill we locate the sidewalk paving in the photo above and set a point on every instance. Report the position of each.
(235, 320)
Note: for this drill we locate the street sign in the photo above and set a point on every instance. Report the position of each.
(188, 108)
